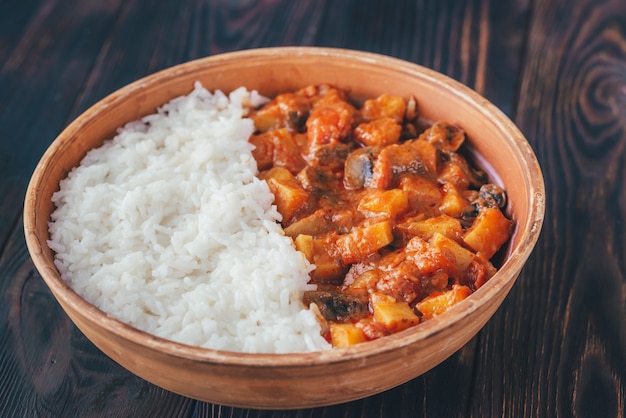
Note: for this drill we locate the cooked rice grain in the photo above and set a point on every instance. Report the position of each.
(167, 228)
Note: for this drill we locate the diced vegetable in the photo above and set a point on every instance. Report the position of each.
(396, 316)
(462, 255)
(452, 203)
(289, 196)
(328, 269)
(390, 202)
(490, 230)
(305, 244)
(344, 335)
(423, 194)
(439, 302)
(364, 241)
(443, 224)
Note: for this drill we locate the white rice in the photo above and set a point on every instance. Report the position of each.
(166, 228)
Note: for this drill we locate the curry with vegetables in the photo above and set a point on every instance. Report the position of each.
(399, 225)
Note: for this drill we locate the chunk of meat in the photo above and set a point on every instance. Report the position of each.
(277, 148)
(384, 106)
(323, 221)
(417, 156)
(288, 110)
(457, 171)
(383, 131)
(331, 121)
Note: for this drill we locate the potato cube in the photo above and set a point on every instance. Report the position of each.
(439, 302)
(365, 281)
(452, 203)
(304, 244)
(344, 335)
(289, 196)
(462, 255)
(444, 224)
(328, 269)
(454, 173)
(364, 241)
(391, 202)
(489, 231)
(395, 316)
(284, 111)
(423, 194)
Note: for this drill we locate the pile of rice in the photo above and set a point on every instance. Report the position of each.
(166, 228)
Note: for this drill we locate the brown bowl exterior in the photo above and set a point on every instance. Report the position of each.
(290, 381)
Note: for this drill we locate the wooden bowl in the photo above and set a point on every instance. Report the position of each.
(286, 381)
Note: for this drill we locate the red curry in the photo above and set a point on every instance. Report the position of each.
(400, 227)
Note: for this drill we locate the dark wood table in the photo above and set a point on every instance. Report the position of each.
(556, 347)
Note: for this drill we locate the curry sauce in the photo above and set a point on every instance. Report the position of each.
(399, 225)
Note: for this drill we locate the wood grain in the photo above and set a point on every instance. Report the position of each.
(555, 348)
(572, 109)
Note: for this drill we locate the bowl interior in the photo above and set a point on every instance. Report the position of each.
(494, 140)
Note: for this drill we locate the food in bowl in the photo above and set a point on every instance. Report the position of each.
(324, 377)
(398, 224)
(167, 228)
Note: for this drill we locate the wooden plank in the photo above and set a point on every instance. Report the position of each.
(471, 41)
(14, 18)
(49, 62)
(39, 347)
(51, 360)
(561, 344)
